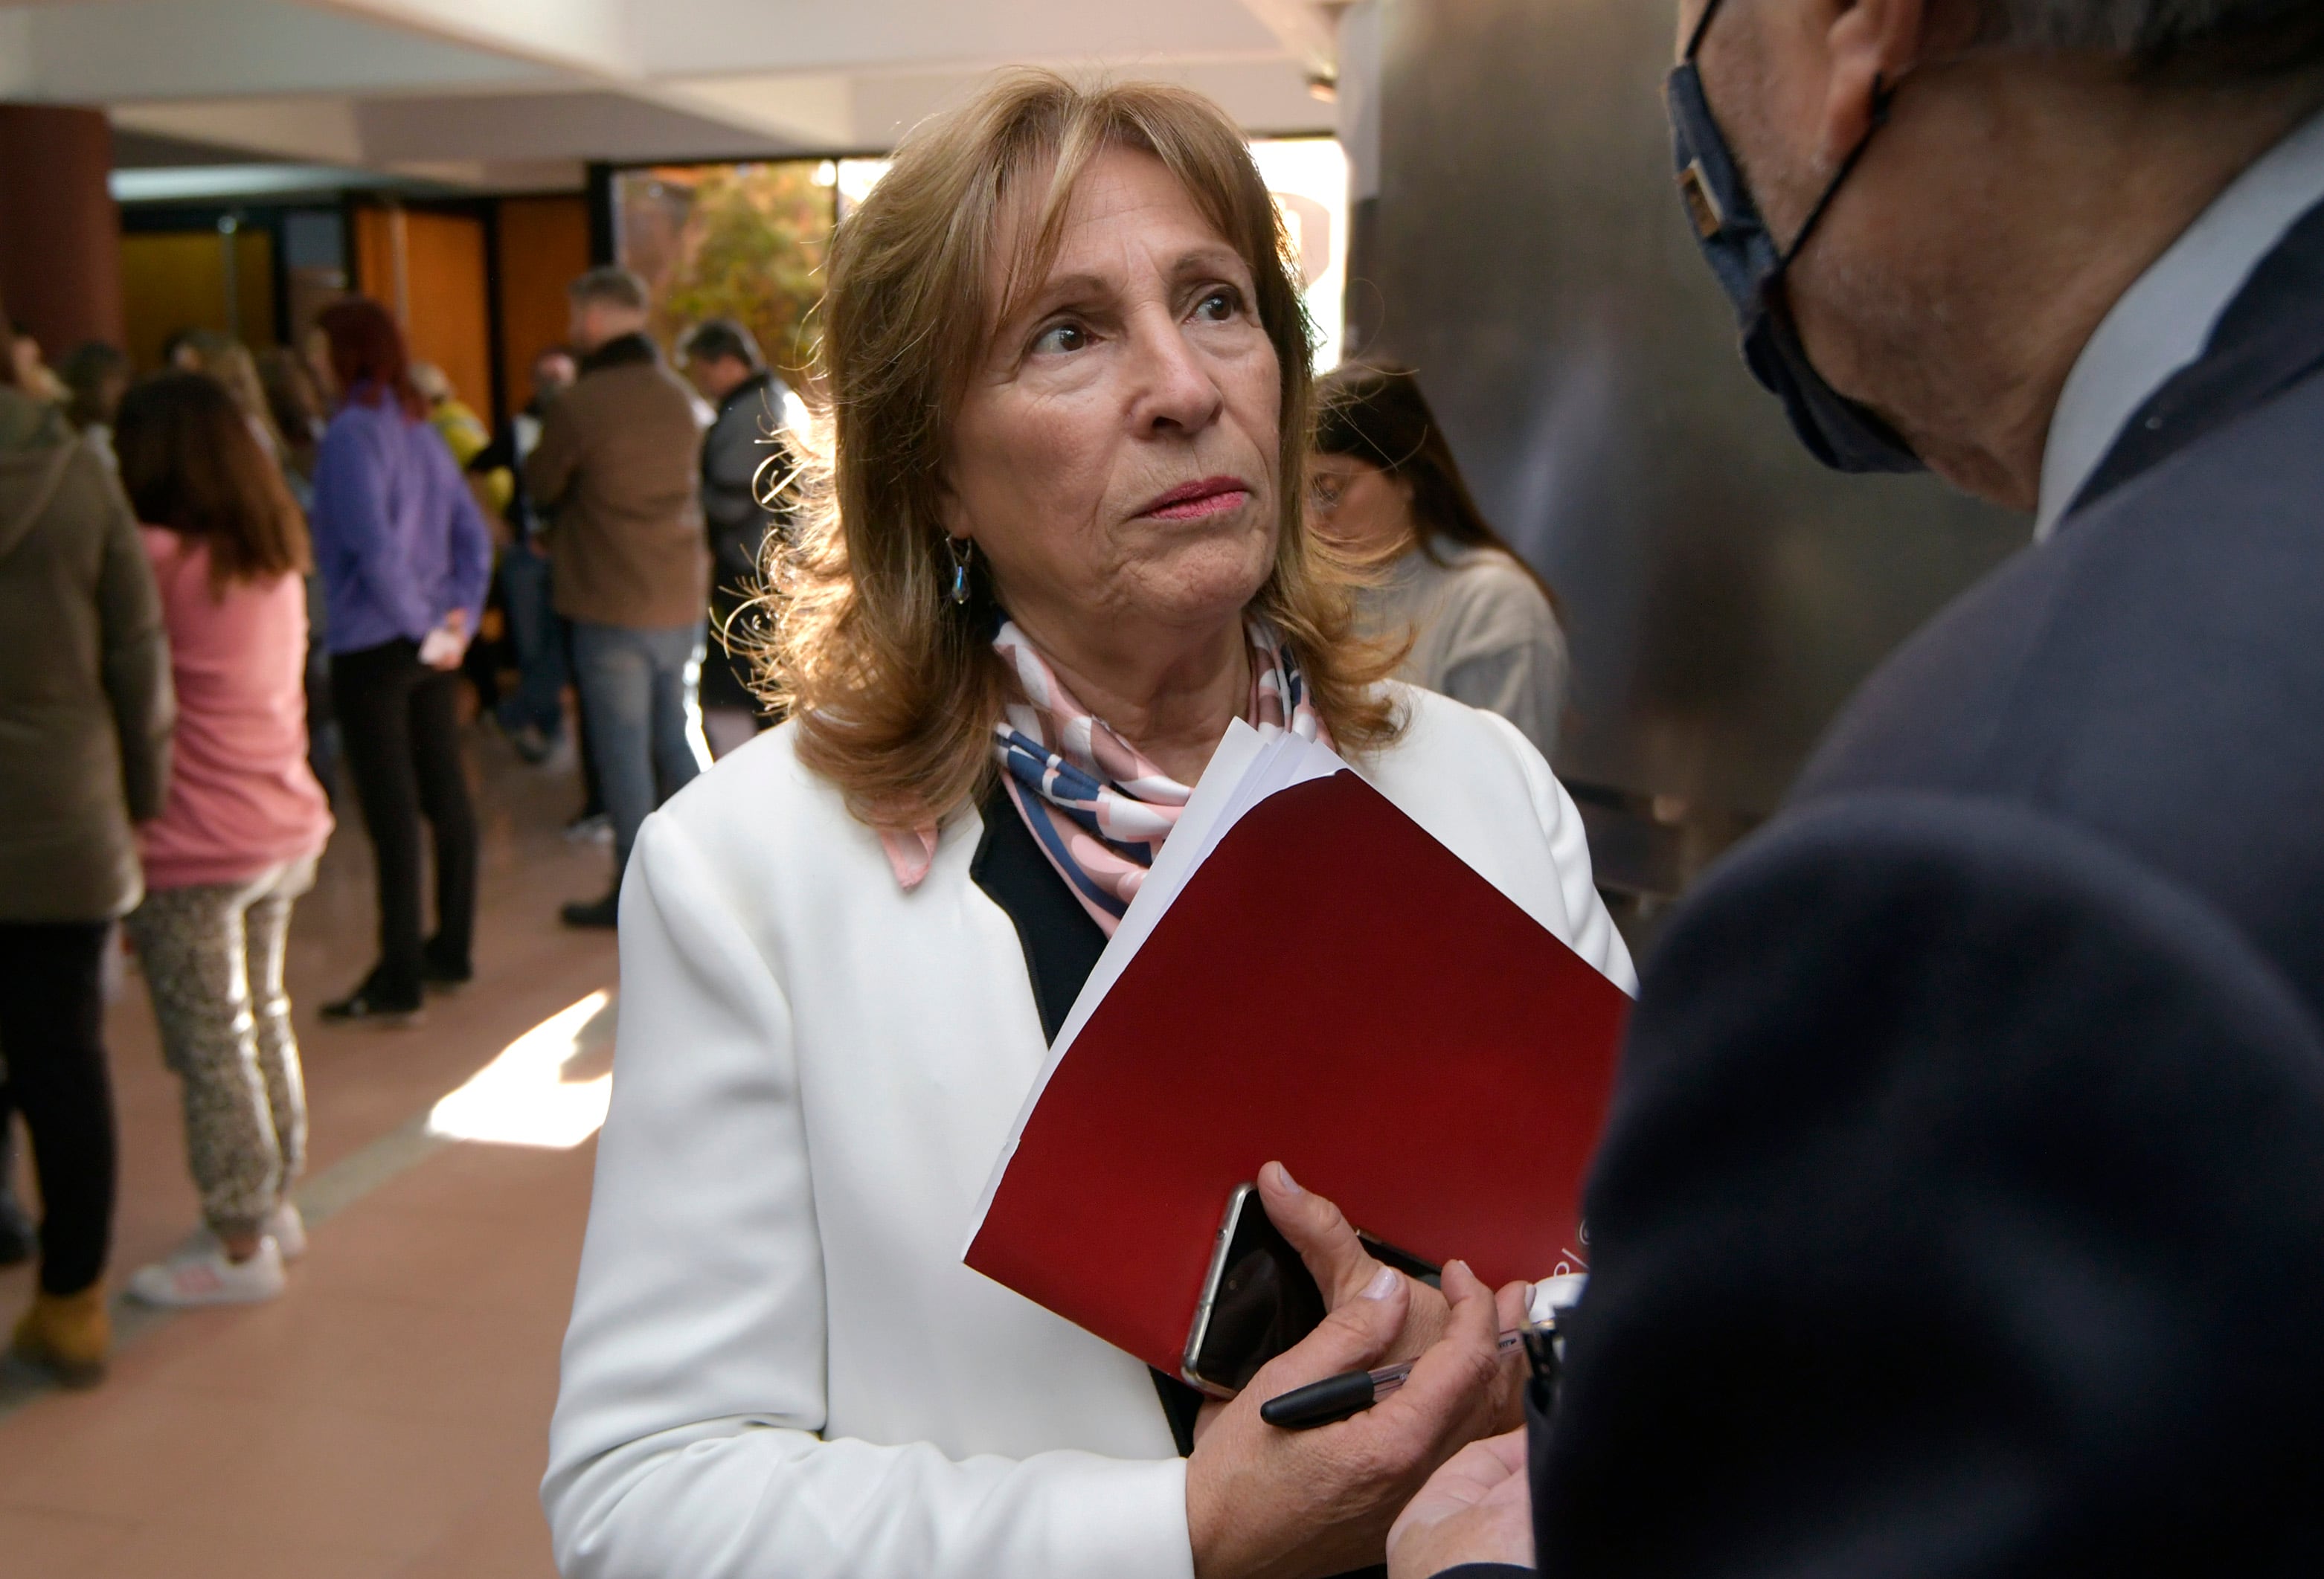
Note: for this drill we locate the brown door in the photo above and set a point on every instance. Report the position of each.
(429, 270)
(544, 244)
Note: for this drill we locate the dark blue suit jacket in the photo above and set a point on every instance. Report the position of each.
(1962, 1212)
(2154, 674)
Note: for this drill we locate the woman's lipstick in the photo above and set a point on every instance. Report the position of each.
(1193, 500)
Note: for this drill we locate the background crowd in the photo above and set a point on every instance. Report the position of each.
(242, 595)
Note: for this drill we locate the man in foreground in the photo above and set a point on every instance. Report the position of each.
(615, 474)
(1961, 1213)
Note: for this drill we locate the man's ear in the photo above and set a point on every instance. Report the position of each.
(1872, 45)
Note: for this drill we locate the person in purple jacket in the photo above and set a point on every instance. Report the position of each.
(405, 557)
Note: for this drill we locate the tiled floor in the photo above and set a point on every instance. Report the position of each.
(388, 1415)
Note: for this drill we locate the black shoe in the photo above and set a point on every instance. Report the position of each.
(602, 913)
(369, 1002)
(532, 743)
(439, 975)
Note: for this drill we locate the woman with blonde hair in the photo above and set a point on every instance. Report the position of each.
(1058, 552)
(229, 362)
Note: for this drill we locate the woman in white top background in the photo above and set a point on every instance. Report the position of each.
(1482, 624)
(1057, 551)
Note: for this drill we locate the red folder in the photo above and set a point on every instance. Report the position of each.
(1333, 989)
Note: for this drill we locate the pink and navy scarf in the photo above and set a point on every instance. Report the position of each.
(1099, 808)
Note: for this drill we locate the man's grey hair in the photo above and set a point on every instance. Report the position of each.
(2232, 37)
(615, 287)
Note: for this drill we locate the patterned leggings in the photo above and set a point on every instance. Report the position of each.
(213, 959)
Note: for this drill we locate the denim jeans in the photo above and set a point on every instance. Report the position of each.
(639, 693)
(538, 634)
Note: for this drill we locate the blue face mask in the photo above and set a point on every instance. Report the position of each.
(1840, 432)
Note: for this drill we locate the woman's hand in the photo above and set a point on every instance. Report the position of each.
(447, 654)
(1264, 1503)
(1477, 1508)
(1343, 1268)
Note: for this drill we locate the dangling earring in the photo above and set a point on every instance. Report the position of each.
(963, 554)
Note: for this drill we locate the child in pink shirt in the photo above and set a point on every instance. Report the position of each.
(242, 798)
(236, 841)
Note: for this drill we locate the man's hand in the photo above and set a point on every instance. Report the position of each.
(1264, 1503)
(1477, 1508)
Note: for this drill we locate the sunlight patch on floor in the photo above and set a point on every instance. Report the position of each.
(523, 1098)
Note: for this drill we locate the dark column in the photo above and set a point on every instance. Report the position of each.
(59, 232)
(605, 246)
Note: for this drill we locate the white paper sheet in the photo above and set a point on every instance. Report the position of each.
(442, 647)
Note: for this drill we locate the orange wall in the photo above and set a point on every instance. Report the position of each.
(376, 256)
(544, 242)
(428, 269)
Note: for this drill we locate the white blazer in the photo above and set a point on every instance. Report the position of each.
(778, 1364)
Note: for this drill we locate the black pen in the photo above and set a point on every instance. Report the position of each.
(1335, 1398)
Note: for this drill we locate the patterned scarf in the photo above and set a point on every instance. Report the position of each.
(1099, 808)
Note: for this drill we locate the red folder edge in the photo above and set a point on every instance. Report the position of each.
(1191, 1075)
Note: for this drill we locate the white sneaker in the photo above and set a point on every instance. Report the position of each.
(200, 1274)
(289, 1230)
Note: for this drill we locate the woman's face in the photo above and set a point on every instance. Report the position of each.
(1114, 457)
(1359, 506)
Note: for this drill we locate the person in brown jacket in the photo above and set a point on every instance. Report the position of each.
(617, 476)
(86, 712)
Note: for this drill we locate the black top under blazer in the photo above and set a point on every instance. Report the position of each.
(1962, 1211)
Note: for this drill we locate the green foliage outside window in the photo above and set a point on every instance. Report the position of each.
(745, 242)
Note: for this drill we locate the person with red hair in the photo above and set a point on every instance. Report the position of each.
(405, 557)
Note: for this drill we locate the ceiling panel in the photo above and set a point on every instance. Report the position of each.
(113, 51)
(587, 126)
(1261, 96)
(479, 83)
(703, 37)
(136, 150)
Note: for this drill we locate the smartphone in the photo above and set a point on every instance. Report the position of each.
(1258, 1299)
